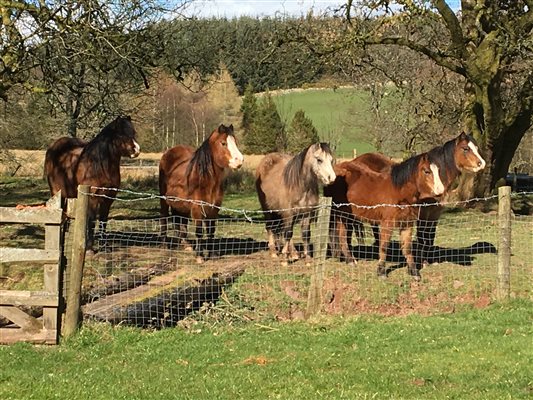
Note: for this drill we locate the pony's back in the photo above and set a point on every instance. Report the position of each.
(60, 164)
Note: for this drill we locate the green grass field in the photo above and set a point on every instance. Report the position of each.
(444, 338)
(341, 116)
(479, 354)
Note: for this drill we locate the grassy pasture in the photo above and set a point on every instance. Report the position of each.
(342, 114)
(477, 354)
(375, 339)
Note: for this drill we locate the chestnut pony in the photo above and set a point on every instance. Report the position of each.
(287, 188)
(385, 197)
(190, 183)
(70, 162)
(460, 154)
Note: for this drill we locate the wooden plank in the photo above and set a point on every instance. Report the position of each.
(20, 318)
(30, 215)
(52, 241)
(8, 254)
(15, 335)
(29, 298)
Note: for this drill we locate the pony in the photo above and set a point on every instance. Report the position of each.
(70, 162)
(460, 154)
(288, 190)
(385, 197)
(191, 184)
(457, 155)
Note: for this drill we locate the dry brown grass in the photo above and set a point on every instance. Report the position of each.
(29, 163)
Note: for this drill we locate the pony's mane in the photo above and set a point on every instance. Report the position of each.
(202, 158)
(443, 157)
(97, 150)
(401, 173)
(293, 170)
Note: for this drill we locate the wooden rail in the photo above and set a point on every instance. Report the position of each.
(26, 328)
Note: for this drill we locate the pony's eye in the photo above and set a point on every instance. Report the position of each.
(223, 144)
(427, 172)
(319, 160)
(466, 149)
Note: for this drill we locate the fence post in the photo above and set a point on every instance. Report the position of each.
(320, 245)
(503, 283)
(72, 314)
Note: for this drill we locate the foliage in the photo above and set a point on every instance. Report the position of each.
(488, 46)
(267, 133)
(301, 133)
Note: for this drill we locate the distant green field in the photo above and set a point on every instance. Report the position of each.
(341, 116)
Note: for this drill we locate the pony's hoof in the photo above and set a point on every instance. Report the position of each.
(199, 260)
(188, 248)
(284, 263)
(417, 277)
(273, 255)
(89, 253)
(294, 257)
(382, 277)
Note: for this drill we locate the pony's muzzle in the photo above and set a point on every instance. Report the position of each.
(236, 162)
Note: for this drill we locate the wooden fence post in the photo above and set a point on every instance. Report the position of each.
(320, 244)
(503, 283)
(79, 242)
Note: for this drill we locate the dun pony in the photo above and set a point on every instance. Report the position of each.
(288, 189)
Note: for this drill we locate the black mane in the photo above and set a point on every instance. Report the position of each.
(401, 173)
(101, 148)
(443, 157)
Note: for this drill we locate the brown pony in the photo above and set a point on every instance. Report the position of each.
(190, 183)
(287, 188)
(70, 162)
(384, 197)
(453, 157)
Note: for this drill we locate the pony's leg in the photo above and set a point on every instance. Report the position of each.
(198, 247)
(210, 225)
(163, 213)
(333, 242)
(375, 233)
(384, 237)
(182, 224)
(306, 238)
(288, 247)
(344, 232)
(406, 237)
(271, 236)
(425, 238)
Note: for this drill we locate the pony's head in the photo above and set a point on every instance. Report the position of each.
(224, 148)
(124, 134)
(466, 154)
(428, 181)
(320, 157)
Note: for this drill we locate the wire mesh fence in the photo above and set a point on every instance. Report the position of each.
(139, 277)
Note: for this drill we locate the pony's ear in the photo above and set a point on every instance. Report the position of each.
(462, 136)
(424, 157)
(222, 128)
(230, 128)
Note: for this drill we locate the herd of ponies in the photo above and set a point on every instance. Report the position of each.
(371, 187)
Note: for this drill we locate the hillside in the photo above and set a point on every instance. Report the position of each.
(341, 116)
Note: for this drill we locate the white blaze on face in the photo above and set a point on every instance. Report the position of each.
(474, 149)
(136, 149)
(438, 187)
(236, 157)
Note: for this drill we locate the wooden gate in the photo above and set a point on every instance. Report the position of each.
(24, 327)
